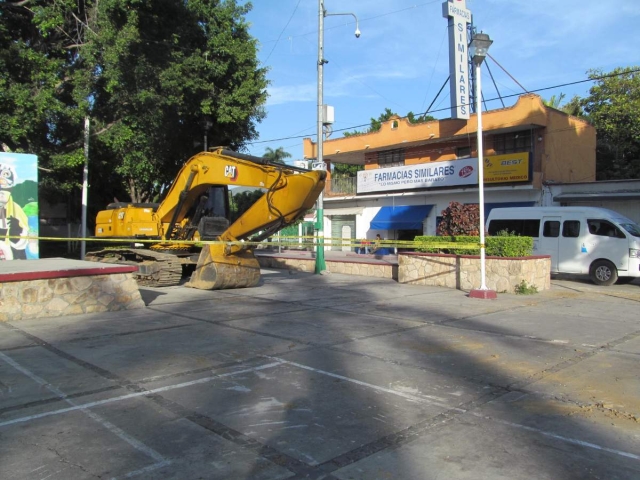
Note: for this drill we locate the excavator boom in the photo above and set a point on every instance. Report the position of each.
(196, 208)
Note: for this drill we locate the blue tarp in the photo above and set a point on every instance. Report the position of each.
(406, 217)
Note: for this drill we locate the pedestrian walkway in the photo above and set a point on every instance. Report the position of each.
(328, 376)
(336, 255)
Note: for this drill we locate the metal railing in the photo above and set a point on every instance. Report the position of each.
(341, 186)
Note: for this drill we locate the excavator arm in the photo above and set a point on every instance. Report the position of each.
(196, 208)
(290, 192)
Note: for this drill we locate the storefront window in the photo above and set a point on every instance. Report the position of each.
(463, 152)
(391, 158)
(512, 142)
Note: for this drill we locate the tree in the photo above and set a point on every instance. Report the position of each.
(37, 111)
(345, 170)
(554, 102)
(276, 156)
(574, 107)
(376, 123)
(420, 119)
(241, 202)
(460, 219)
(612, 107)
(146, 73)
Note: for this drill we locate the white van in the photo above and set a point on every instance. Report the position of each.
(580, 240)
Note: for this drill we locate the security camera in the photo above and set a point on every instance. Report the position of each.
(357, 33)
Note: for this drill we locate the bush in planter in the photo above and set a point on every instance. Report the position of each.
(460, 219)
(508, 244)
(497, 246)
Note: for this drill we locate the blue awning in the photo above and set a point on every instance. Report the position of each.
(406, 217)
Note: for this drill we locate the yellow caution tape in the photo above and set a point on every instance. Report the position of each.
(288, 241)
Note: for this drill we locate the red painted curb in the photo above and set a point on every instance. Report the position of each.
(75, 272)
(483, 294)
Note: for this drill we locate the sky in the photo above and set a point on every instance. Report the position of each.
(25, 165)
(401, 59)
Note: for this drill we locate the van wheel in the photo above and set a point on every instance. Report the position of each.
(603, 272)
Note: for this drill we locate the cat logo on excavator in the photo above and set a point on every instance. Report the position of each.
(231, 171)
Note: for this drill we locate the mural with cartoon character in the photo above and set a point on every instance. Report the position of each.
(18, 208)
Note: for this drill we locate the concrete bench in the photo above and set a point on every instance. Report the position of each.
(56, 287)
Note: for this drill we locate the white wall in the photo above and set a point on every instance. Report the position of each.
(440, 200)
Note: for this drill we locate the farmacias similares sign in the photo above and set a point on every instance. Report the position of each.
(423, 175)
(458, 15)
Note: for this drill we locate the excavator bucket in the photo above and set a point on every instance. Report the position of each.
(216, 271)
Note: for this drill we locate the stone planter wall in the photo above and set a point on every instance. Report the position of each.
(345, 267)
(463, 271)
(55, 297)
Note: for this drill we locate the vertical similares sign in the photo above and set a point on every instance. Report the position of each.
(18, 206)
(458, 15)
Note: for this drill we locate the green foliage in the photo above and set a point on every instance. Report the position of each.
(353, 133)
(241, 202)
(508, 246)
(147, 73)
(36, 69)
(503, 246)
(421, 119)
(276, 156)
(525, 289)
(376, 123)
(460, 219)
(574, 107)
(440, 244)
(342, 170)
(554, 102)
(612, 107)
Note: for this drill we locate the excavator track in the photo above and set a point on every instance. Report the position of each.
(155, 269)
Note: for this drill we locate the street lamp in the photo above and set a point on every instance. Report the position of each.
(320, 263)
(478, 51)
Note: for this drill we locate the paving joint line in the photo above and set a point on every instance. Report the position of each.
(222, 322)
(54, 400)
(238, 438)
(396, 439)
(272, 454)
(575, 360)
(435, 370)
(396, 435)
(126, 334)
(112, 428)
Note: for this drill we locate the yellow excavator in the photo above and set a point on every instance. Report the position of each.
(196, 209)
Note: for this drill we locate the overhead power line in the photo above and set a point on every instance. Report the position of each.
(284, 28)
(602, 77)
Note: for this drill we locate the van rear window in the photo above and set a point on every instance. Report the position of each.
(524, 228)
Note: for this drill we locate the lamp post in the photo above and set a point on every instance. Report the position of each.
(320, 263)
(478, 51)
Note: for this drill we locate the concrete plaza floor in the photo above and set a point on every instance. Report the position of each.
(328, 376)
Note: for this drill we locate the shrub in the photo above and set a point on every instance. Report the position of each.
(499, 246)
(514, 246)
(525, 289)
(459, 219)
